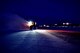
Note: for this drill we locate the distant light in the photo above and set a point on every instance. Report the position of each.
(67, 23)
(44, 25)
(55, 24)
(30, 23)
(64, 23)
(35, 23)
(47, 26)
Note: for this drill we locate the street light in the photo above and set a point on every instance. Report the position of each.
(64, 23)
(67, 23)
(30, 23)
(55, 24)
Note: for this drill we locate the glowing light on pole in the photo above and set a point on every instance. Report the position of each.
(64, 23)
(44, 25)
(67, 23)
(30, 23)
(55, 24)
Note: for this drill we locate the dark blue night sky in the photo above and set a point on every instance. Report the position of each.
(51, 10)
(39, 26)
